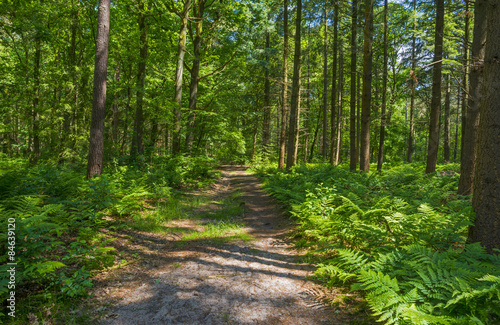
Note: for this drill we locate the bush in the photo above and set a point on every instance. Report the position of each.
(399, 236)
(58, 214)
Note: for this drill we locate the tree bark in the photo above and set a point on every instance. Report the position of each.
(36, 101)
(413, 81)
(333, 109)
(339, 107)
(181, 51)
(266, 132)
(358, 117)
(364, 163)
(137, 140)
(96, 143)
(352, 127)
(195, 75)
(455, 147)
(470, 132)
(466, 76)
(297, 132)
(433, 145)
(284, 109)
(116, 112)
(447, 123)
(486, 194)
(325, 85)
(294, 107)
(380, 159)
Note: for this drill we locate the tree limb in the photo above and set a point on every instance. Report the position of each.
(219, 69)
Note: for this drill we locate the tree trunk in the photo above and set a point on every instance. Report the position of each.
(465, 98)
(333, 109)
(470, 132)
(36, 101)
(266, 133)
(455, 148)
(486, 196)
(73, 68)
(96, 143)
(181, 51)
(413, 80)
(380, 159)
(284, 109)
(308, 102)
(195, 76)
(447, 123)
(297, 132)
(116, 112)
(137, 140)
(294, 107)
(364, 163)
(433, 145)
(358, 117)
(352, 117)
(325, 86)
(315, 136)
(339, 107)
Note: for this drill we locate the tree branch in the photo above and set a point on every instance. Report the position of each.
(219, 69)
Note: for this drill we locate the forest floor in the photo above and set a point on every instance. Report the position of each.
(258, 278)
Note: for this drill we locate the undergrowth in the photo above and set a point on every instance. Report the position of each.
(58, 217)
(397, 235)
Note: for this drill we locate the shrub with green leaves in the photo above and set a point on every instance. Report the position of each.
(59, 214)
(399, 236)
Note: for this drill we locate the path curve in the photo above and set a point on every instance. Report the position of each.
(257, 282)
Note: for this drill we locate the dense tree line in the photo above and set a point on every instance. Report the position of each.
(371, 81)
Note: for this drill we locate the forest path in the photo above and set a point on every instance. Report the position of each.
(238, 282)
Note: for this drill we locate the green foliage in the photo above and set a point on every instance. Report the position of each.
(399, 236)
(58, 215)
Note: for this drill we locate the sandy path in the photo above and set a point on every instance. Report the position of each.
(257, 282)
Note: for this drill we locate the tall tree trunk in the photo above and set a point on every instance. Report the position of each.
(447, 123)
(137, 140)
(352, 118)
(73, 68)
(284, 109)
(297, 132)
(455, 147)
(294, 107)
(413, 80)
(308, 102)
(470, 132)
(325, 86)
(333, 109)
(364, 163)
(36, 100)
(435, 113)
(465, 98)
(195, 75)
(358, 117)
(181, 51)
(96, 143)
(315, 137)
(266, 132)
(116, 112)
(339, 107)
(486, 194)
(380, 159)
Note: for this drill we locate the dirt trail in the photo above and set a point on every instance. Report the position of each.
(255, 282)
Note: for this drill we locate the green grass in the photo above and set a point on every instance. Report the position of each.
(177, 207)
(222, 231)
